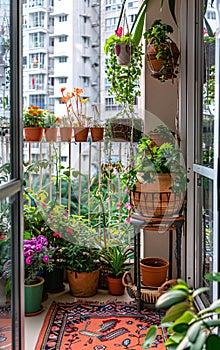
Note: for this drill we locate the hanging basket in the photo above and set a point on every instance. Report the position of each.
(123, 53)
(158, 67)
(156, 199)
(148, 295)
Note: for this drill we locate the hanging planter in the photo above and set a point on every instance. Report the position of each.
(162, 53)
(123, 53)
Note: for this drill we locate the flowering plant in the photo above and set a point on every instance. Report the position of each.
(38, 254)
(34, 116)
(75, 105)
(51, 121)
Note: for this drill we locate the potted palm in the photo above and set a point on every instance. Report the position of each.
(33, 119)
(157, 180)
(82, 267)
(116, 258)
(162, 52)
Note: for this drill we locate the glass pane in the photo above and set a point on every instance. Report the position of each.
(207, 233)
(207, 122)
(5, 276)
(4, 92)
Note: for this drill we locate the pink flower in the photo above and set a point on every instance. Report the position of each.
(57, 235)
(45, 259)
(127, 220)
(128, 206)
(126, 190)
(69, 230)
(119, 205)
(28, 260)
(107, 200)
(119, 32)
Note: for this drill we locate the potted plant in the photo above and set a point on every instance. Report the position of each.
(33, 119)
(116, 258)
(38, 255)
(50, 124)
(157, 179)
(76, 111)
(96, 128)
(187, 327)
(161, 134)
(82, 267)
(162, 53)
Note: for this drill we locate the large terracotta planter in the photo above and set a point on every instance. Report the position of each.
(81, 133)
(83, 284)
(115, 286)
(154, 271)
(33, 297)
(51, 134)
(156, 199)
(66, 133)
(33, 134)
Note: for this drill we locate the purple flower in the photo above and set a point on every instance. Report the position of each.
(45, 259)
(29, 260)
(127, 220)
(38, 247)
(29, 252)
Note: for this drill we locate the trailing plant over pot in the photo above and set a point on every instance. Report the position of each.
(157, 180)
(162, 52)
(187, 327)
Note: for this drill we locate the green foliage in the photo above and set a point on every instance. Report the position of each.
(157, 35)
(151, 160)
(80, 258)
(124, 79)
(187, 328)
(115, 258)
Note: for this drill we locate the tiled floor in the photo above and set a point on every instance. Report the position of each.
(33, 324)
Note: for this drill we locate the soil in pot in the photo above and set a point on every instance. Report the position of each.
(154, 271)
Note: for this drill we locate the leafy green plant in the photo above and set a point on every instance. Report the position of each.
(158, 36)
(34, 116)
(188, 328)
(115, 258)
(80, 258)
(151, 160)
(51, 121)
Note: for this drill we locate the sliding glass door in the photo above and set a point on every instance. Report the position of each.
(206, 154)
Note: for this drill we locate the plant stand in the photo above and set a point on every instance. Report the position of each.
(172, 225)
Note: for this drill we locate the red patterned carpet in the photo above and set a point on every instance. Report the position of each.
(95, 326)
(5, 328)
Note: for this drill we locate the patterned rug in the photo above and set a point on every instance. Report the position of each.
(95, 326)
(5, 327)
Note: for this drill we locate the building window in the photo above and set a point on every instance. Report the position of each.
(37, 81)
(38, 100)
(211, 15)
(62, 59)
(62, 38)
(86, 41)
(110, 23)
(36, 40)
(85, 81)
(37, 60)
(63, 18)
(62, 80)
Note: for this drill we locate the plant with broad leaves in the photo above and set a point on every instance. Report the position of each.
(187, 327)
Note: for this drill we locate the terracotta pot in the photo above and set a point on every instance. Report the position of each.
(97, 133)
(83, 284)
(115, 286)
(123, 53)
(33, 134)
(154, 271)
(66, 134)
(81, 133)
(156, 199)
(156, 65)
(51, 134)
